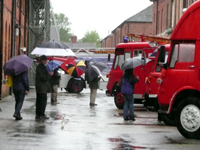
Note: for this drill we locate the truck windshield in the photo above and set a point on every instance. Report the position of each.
(182, 52)
(118, 61)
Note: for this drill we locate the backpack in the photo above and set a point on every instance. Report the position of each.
(126, 87)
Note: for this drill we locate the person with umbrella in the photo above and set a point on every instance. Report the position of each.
(42, 78)
(53, 66)
(127, 83)
(55, 79)
(20, 88)
(93, 76)
(17, 68)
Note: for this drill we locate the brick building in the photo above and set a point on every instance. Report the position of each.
(166, 14)
(13, 34)
(140, 23)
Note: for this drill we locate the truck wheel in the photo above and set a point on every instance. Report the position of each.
(168, 119)
(188, 118)
(119, 100)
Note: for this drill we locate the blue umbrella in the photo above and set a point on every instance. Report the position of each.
(17, 65)
(52, 65)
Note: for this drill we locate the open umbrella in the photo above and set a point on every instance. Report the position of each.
(133, 63)
(76, 69)
(100, 65)
(53, 49)
(17, 65)
(53, 64)
(92, 72)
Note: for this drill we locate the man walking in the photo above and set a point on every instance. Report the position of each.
(42, 77)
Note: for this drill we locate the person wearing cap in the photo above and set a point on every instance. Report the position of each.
(42, 77)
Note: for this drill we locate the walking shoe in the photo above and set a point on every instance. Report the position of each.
(44, 117)
(18, 118)
(133, 119)
(37, 117)
(54, 103)
(92, 104)
(126, 119)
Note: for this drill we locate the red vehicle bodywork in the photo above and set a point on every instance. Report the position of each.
(124, 51)
(179, 90)
(151, 85)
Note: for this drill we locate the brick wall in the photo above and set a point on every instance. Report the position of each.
(20, 41)
(167, 14)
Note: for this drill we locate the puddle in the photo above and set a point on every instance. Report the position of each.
(125, 145)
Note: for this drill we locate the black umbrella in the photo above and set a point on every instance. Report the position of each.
(101, 66)
(91, 73)
(53, 44)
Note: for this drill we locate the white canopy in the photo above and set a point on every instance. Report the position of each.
(52, 52)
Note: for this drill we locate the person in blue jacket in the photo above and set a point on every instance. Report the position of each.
(20, 89)
(128, 82)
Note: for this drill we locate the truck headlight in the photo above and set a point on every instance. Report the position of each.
(159, 80)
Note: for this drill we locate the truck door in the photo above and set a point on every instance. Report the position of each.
(181, 69)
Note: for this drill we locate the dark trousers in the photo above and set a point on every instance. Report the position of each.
(41, 102)
(19, 99)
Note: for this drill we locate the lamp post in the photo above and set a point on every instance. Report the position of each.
(23, 49)
(16, 29)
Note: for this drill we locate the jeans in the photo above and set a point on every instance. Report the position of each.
(128, 106)
(41, 102)
(19, 99)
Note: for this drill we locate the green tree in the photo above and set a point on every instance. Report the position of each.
(92, 37)
(63, 24)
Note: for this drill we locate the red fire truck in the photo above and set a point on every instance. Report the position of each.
(124, 51)
(179, 90)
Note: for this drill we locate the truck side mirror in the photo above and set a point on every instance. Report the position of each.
(108, 57)
(161, 56)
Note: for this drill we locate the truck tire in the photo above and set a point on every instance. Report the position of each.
(168, 119)
(188, 118)
(119, 100)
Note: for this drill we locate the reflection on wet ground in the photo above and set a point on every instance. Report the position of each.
(73, 125)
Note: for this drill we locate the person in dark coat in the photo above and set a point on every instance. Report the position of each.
(127, 84)
(20, 88)
(94, 85)
(55, 80)
(42, 79)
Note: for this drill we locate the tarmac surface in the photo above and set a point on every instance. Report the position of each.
(74, 125)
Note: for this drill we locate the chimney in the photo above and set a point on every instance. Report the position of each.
(73, 39)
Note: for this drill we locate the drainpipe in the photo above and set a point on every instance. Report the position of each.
(157, 18)
(20, 3)
(13, 29)
(1, 47)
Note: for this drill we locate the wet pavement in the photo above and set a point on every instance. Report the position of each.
(73, 125)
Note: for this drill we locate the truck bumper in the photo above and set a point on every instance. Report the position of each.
(163, 109)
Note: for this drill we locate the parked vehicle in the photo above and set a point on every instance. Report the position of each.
(179, 90)
(151, 84)
(124, 51)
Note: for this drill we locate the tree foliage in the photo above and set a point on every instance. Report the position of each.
(63, 24)
(91, 37)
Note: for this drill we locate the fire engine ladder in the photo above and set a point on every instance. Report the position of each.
(150, 38)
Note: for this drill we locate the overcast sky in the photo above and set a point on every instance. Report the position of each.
(100, 15)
